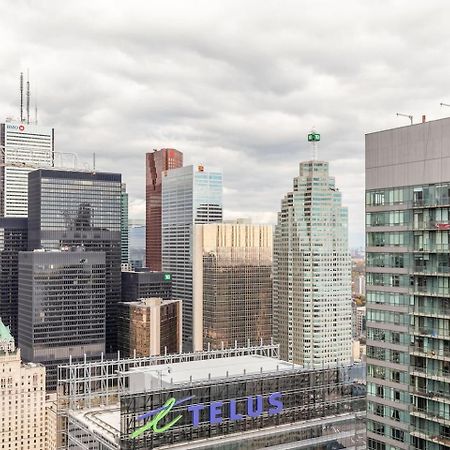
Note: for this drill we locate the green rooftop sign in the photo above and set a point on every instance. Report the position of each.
(313, 137)
(167, 277)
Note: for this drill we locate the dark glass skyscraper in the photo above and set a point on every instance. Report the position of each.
(156, 163)
(145, 284)
(61, 307)
(69, 208)
(13, 239)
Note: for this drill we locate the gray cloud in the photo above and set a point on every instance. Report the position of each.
(235, 85)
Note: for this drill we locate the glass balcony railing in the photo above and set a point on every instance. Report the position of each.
(432, 311)
(430, 352)
(432, 269)
(431, 202)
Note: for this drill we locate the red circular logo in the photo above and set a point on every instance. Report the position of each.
(21, 127)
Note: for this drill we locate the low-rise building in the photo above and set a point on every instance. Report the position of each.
(150, 326)
(22, 399)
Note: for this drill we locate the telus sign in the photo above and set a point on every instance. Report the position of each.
(216, 411)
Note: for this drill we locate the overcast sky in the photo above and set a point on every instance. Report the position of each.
(235, 85)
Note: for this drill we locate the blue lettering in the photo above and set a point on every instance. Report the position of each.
(215, 412)
(259, 406)
(275, 401)
(195, 410)
(233, 411)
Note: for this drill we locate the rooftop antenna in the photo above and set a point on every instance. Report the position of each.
(406, 115)
(35, 106)
(21, 97)
(28, 96)
(314, 138)
(93, 161)
(444, 104)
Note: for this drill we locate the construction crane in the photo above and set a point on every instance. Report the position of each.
(406, 115)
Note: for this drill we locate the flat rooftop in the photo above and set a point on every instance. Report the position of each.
(144, 379)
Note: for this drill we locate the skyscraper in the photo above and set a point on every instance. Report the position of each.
(124, 248)
(232, 284)
(13, 239)
(312, 272)
(189, 196)
(61, 306)
(408, 286)
(69, 208)
(156, 163)
(24, 147)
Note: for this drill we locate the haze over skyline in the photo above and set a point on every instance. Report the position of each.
(239, 94)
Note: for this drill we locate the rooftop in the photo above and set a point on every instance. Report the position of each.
(143, 379)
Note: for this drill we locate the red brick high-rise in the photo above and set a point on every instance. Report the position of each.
(156, 163)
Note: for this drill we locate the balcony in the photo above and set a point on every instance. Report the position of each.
(432, 332)
(438, 396)
(431, 203)
(432, 269)
(427, 414)
(438, 375)
(432, 312)
(432, 354)
(432, 248)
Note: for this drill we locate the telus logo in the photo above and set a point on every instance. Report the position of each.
(216, 412)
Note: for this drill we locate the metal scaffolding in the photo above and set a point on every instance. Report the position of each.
(89, 384)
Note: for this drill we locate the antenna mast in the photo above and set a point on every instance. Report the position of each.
(314, 138)
(28, 97)
(21, 97)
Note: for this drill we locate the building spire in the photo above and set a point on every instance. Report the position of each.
(314, 138)
(6, 339)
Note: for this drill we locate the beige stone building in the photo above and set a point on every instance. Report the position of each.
(149, 326)
(22, 399)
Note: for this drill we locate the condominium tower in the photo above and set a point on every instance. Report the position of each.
(312, 272)
(70, 208)
(232, 284)
(24, 147)
(190, 196)
(156, 164)
(408, 287)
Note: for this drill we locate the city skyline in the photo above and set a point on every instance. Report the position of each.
(247, 96)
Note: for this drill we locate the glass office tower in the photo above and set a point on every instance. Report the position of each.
(156, 164)
(68, 208)
(13, 239)
(124, 241)
(190, 195)
(61, 307)
(232, 284)
(312, 313)
(408, 287)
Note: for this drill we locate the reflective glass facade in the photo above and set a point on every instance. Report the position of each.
(68, 208)
(61, 307)
(408, 289)
(156, 164)
(190, 196)
(233, 282)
